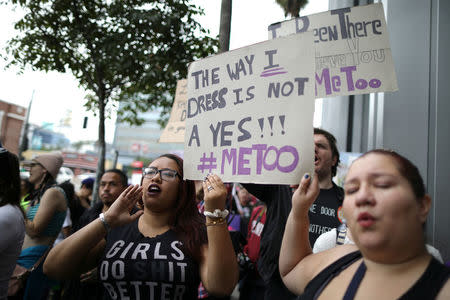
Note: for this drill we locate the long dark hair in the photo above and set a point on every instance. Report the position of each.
(188, 223)
(9, 179)
(28, 186)
(72, 201)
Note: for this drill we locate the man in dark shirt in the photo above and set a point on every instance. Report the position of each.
(323, 217)
(113, 182)
(325, 212)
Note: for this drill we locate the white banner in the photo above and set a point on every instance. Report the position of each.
(174, 130)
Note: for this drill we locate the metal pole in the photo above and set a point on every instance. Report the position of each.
(116, 156)
(225, 25)
(24, 132)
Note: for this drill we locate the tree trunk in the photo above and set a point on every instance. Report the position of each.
(101, 148)
(225, 26)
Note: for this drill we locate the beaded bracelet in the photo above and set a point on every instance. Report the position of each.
(216, 214)
(214, 222)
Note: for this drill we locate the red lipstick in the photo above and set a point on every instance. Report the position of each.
(365, 220)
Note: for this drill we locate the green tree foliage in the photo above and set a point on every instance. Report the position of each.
(132, 51)
(292, 7)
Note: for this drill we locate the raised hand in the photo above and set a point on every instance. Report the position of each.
(119, 212)
(305, 195)
(215, 193)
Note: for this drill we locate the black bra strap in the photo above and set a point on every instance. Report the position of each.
(356, 281)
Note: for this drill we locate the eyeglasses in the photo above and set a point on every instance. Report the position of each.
(165, 174)
(33, 164)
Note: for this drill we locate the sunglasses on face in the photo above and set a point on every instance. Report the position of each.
(165, 174)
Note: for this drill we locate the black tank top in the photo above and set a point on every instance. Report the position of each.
(427, 287)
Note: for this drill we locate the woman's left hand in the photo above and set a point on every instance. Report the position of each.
(215, 193)
(305, 195)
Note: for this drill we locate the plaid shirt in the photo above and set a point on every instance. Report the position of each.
(202, 293)
(201, 206)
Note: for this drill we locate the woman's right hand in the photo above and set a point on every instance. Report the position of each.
(305, 195)
(215, 193)
(119, 212)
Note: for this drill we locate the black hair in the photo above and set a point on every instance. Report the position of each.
(36, 195)
(76, 210)
(122, 175)
(68, 189)
(406, 168)
(9, 178)
(28, 185)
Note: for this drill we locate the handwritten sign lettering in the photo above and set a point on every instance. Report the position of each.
(174, 130)
(249, 113)
(352, 50)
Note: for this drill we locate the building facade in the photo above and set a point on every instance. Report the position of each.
(12, 118)
(133, 142)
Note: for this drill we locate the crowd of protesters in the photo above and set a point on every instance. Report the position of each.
(170, 238)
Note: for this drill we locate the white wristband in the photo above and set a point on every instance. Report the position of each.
(102, 218)
(216, 214)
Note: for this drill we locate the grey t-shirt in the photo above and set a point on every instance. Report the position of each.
(12, 229)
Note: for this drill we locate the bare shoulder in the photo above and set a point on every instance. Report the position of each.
(321, 260)
(330, 256)
(54, 192)
(53, 196)
(445, 291)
